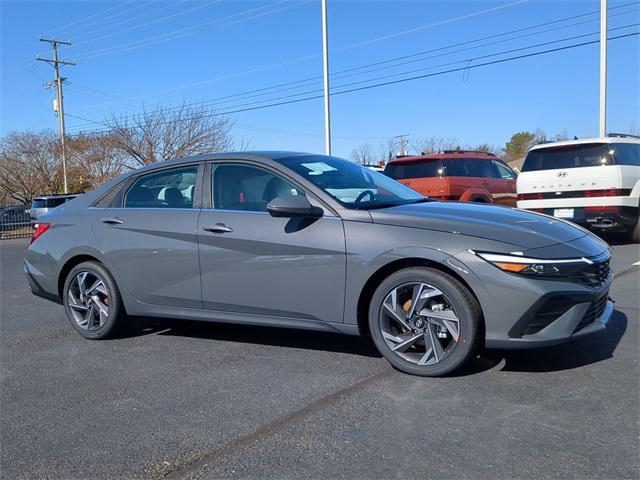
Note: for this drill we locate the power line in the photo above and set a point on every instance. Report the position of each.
(142, 25)
(265, 91)
(188, 30)
(171, 35)
(93, 22)
(393, 82)
(307, 57)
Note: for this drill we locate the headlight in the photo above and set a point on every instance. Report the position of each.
(565, 267)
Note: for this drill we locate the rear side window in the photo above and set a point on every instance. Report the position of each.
(470, 167)
(166, 189)
(415, 169)
(570, 156)
(38, 203)
(626, 153)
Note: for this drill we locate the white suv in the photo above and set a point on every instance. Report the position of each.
(594, 182)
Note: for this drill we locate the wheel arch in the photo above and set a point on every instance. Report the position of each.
(383, 272)
(479, 195)
(68, 266)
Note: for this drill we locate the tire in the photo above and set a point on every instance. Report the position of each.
(100, 324)
(454, 300)
(634, 233)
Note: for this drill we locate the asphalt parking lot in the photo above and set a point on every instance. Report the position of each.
(191, 400)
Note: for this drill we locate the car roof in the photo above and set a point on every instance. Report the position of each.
(446, 155)
(611, 138)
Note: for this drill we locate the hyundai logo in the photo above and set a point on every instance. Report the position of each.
(562, 174)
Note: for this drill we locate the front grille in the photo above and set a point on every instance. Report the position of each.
(594, 275)
(595, 310)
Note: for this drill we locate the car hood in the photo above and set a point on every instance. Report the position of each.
(503, 224)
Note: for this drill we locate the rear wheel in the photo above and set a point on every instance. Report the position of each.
(92, 301)
(634, 233)
(424, 321)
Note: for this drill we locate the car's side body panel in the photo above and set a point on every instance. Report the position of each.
(286, 267)
(154, 252)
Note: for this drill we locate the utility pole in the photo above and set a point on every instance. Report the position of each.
(57, 83)
(402, 144)
(325, 62)
(603, 68)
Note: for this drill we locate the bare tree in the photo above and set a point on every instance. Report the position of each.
(386, 151)
(96, 158)
(166, 133)
(433, 144)
(363, 154)
(30, 164)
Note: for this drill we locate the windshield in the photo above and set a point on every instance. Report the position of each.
(569, 156)
(351, 184)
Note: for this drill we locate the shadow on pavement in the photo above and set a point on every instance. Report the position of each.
(281, 337)
(573, 354)
(577, 353)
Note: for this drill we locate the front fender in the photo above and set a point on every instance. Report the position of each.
(372, 247)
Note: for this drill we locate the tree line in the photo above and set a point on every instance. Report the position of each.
(515, 148)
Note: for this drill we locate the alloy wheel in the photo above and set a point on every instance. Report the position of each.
(88, 300)
(419, 324)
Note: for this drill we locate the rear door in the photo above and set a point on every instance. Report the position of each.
(253, 263)
(150, 241)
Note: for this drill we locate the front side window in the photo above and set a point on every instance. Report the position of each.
(351, 184)
(165, 189)
(469, 167)
(505, 172)
(247, 188)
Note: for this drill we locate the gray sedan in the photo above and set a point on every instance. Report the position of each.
(319, 243)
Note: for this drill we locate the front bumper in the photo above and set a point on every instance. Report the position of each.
(524, 312)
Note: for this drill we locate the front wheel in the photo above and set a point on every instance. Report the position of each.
(424, 321)
(92, 301)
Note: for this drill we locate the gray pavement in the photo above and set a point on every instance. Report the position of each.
(193, 400)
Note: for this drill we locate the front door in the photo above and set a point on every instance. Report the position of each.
(150, 239)
(256, 264)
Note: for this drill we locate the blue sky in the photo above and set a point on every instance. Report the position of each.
(270, 39)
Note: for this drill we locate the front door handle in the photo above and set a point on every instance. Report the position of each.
(218, 228)
(112, 221)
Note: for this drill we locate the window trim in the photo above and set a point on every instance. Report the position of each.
(118, 201)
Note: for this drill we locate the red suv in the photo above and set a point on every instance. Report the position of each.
(457, 175)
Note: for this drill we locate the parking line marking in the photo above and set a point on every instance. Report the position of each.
(637, 263)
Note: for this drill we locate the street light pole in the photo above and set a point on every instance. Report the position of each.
(603, 68)
(325, 61)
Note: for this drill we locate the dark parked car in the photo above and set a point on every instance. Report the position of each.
(319, 243)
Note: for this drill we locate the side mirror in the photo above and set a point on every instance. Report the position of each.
(293, 206)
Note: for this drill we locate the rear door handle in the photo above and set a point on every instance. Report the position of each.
(218, 228)
(112, 221)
